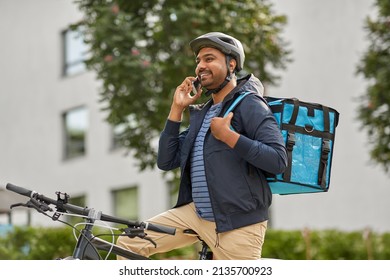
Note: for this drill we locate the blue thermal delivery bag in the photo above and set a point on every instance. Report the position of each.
(308, 130)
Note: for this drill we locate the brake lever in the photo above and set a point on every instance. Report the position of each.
(18, 205)
(139, 232)
(33, 203)
(151, 241)
(28, 204)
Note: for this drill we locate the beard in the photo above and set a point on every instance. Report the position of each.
(209, 80)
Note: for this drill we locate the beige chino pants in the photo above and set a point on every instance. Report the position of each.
(243, 243)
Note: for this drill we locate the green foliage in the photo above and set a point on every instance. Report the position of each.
(140, 52)
(281, 245)
(326, 245)
(37, 244)
(347, 246)
(53, 243)
(374, 110)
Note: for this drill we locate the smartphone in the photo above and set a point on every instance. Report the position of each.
(195, 86)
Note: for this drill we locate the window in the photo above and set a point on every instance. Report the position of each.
(117, 132)
(75, 52)
(75, 128)
(79, 201)
(126, 203)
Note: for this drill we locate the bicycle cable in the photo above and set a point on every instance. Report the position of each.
(94, 236)
(74, 228)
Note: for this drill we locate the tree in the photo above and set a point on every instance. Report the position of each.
(374, 109)
(140, 52)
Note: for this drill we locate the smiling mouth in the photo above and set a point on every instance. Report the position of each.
(203, 75)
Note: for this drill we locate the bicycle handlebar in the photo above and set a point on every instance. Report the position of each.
(19, 190)
(85, 211)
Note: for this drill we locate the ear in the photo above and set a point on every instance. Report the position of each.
(232, 65)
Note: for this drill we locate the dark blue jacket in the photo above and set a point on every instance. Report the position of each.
(238, 189)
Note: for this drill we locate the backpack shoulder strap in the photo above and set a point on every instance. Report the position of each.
(235, 103)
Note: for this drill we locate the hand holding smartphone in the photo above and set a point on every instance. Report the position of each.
(195, 86)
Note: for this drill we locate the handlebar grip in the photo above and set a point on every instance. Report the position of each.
(19, 190)
(160, 228)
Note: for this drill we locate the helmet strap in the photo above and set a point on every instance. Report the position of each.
(228, 78)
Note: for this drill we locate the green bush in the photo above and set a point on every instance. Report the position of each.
(284, 245)
(41, 243)
(28, 243)
(326, 245)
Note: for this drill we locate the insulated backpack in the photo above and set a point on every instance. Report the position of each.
(308, 130)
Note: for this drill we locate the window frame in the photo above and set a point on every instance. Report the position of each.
(71, 67)
(117, 191)
(67, 151)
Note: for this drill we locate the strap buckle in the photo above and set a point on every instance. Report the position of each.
(290, 141)
(325, 149)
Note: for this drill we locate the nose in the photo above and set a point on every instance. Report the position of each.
(199, 68)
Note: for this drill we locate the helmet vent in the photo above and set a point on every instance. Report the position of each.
(227, 40)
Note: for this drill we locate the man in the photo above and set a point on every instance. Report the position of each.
(223, 195)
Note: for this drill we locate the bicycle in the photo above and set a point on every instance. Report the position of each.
(88, 246)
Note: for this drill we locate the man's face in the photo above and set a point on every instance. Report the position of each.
(211, 67)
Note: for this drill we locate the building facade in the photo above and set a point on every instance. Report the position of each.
(54, 134)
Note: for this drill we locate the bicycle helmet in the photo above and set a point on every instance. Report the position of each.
(228, 45)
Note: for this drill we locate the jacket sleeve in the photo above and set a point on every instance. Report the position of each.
(169, 148)
(261, 142)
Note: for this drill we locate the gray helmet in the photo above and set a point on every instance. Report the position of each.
(228, 45)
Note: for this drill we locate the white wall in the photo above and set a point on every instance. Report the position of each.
(327, 39)
(33, 96)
